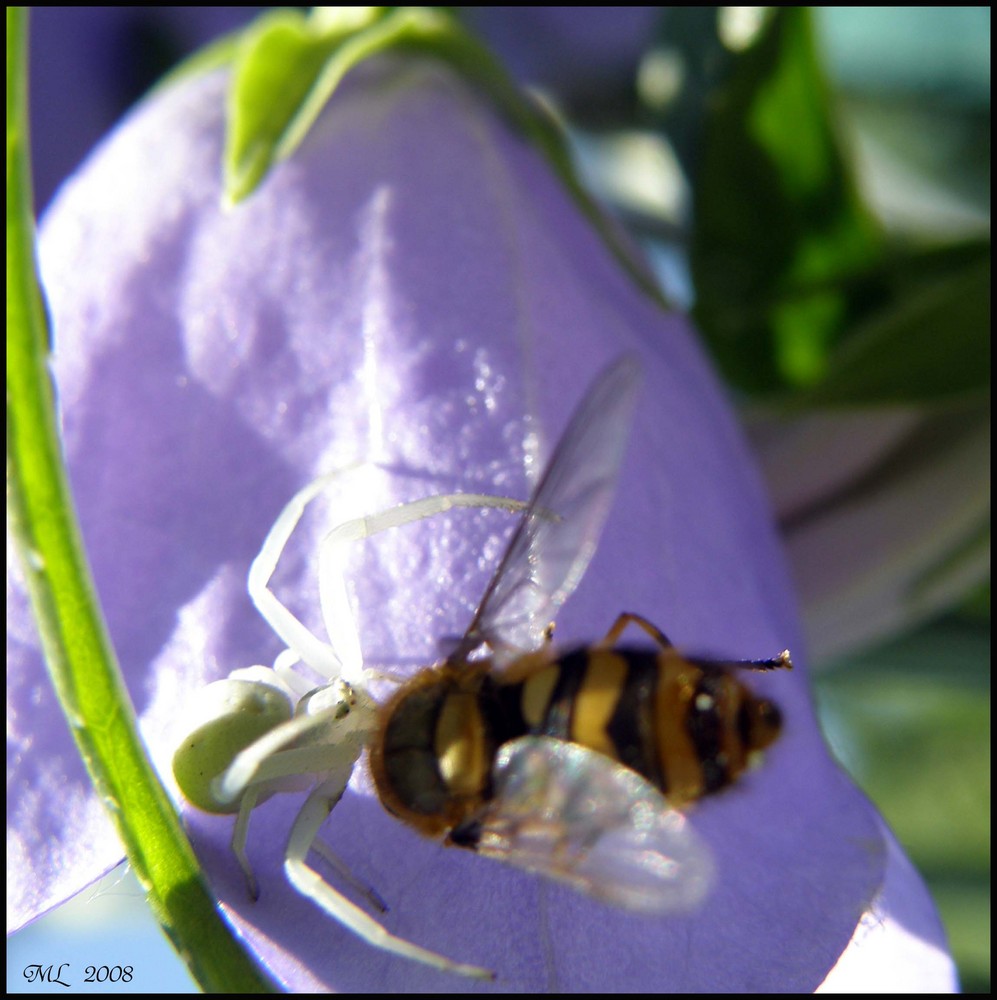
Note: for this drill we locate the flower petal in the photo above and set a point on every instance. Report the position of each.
(413, 289)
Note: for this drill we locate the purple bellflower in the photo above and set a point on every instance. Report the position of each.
(414, 291)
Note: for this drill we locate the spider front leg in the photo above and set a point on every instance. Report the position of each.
(329, 733)
(301, 642)
(336, 611)
(345, 658)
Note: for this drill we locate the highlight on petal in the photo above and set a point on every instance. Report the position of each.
(897, 945)
(412, 291)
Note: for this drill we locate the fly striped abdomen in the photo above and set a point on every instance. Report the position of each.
(689, 727)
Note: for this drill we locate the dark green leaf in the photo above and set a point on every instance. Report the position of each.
(930, 341)
(778, 223)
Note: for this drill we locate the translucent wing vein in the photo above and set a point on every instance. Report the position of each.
(554, 542)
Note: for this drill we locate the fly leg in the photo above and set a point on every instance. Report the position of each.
(780, 662)
(629, 618)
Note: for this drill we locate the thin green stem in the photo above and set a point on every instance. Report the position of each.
(77, 649)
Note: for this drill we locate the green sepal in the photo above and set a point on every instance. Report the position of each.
(289, 66)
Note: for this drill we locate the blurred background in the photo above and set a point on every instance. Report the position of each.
(813, 185)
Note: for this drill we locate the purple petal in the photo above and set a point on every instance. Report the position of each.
(898, 945)
(413, 289)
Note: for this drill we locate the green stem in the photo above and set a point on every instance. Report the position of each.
(77, 649)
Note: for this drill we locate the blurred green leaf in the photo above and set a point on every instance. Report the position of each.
(929, 342)
(798, 296)
(964, 905)
(911, 722)
(779, 227)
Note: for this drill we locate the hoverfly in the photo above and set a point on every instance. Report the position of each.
(553, 762)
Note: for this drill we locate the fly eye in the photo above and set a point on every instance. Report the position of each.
(766, 723)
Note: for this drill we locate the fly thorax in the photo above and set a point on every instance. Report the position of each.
(432, 758)
(461, 744)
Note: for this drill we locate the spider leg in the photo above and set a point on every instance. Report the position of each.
(239, 834)
(374, 901)
(310, 884)
(336, 612)
(283, 667)
(265, 765)
(269, 759)
(284, 764)
(317, 654)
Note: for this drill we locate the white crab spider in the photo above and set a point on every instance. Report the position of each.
(267, 730)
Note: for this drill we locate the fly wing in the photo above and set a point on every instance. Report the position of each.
(575, 815)
(553, 543)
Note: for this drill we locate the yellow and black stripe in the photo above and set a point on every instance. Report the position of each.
(690, 727)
